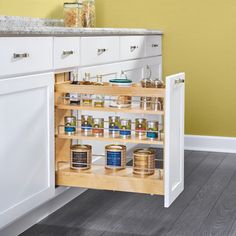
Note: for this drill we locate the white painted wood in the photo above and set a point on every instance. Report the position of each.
(153, 46)
(174, 138)
(98, 50)
(66, 52)
(210, 143)
(26, 144)
(132, 47)
(37, 53)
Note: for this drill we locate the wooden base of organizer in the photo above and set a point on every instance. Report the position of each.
(100, 178)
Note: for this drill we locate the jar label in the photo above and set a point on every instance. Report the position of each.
(69, 129)
(125, 132)
(113, 158)
(79, 159)
(86, 127)
(152, 135)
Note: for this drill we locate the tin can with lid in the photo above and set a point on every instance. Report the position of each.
(115, 157)
(140, 127)
(98, 127)
(114, 122)
(81, 157)
(144, 161)
(86, 125)
(125, 128)
(152, 129)
(70, 124)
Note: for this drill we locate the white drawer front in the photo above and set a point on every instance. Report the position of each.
(66, 52)
(25, 54)
(132, 47)
(97, 50)
(153, 45)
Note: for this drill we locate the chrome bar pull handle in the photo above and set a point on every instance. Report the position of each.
(20, 55)
(67, 53)
(132, 48)
(101, 51)
(179, 81)
(155, 45)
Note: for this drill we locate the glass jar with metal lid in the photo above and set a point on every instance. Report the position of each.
(70, 124)
(114, 122)
(145, 102)
(81, 157)
(125, 128)
(98, 100)
(152, 129)
(86, 125)
(73, 14)
(144, 162)
(98, 127)
(140, 127)
(115, 157)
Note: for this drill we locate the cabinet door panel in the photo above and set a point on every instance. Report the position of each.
(26, 144)
(174, 138)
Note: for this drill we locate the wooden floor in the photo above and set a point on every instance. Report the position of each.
(206, 207)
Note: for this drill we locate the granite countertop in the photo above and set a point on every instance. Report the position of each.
(27, 26)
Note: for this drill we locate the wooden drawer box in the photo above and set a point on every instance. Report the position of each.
(66, 52)
(25, 54)
(97, 50)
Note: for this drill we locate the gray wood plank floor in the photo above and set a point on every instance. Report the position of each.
(206, 207)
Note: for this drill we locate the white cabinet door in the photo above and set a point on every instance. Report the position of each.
(174, 137)
(26, 144)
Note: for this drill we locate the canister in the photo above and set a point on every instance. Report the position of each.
(98, 127)
(114, 122)
(145, 103)
(140, 127)
(156, 104)
(125, 128)
(70, 124)
(81, 157)
(86, 125)
(152, 129)
(120, 101)
(115, 157)
(144, 161)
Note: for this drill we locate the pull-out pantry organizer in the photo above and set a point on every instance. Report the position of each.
(167, 181)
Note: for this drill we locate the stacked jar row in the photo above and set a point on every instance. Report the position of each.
(118, 128)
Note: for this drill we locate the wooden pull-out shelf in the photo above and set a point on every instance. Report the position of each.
(135, 90)
(106, 138)
(100, 178)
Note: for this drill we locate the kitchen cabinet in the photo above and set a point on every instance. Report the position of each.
(26, 144)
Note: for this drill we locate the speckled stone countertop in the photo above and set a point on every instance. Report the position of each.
(26, 26)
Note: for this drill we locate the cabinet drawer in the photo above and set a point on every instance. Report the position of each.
(66, 52)
(132, 47)
(97, 50)
(25, 54)
(153, 46)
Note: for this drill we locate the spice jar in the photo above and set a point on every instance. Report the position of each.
(98, 100)
(140, 127)
(89, 13)
(157, 103)
(114, 122)
(70, 124)
(125, 128)
(81, 157)
(120, 101)
(73, 14)
(157, 83)
(152, 130)
(86, 125)
(98, 127)
(145, 102)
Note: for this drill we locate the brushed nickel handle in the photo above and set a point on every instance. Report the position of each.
(101, 51)
(132, 48)
(20, 55)
(67, 53)
(179, 81)
(155, 45)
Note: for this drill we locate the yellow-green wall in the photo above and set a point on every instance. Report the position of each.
(200, 39)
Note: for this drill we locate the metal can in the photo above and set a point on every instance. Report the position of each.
(70, 124)
(98, 126)
(81, 157)
(115, 157)
(86, 125)
(114, 122)
(144, 161)
(152, 129)
(125, 128)
(140, 127)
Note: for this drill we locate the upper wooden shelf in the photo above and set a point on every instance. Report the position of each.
(135, 90)
(133, 110)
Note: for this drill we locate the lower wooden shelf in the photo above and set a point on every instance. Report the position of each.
(100, 178)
